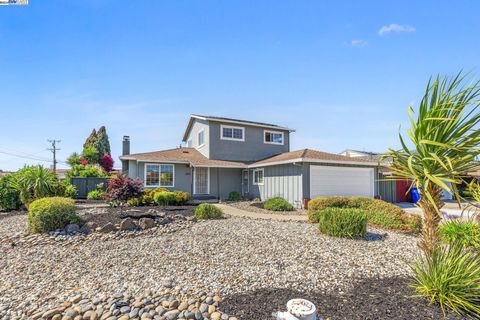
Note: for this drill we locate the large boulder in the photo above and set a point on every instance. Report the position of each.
(109, 227)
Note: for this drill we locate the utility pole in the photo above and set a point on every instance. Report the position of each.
(54, 150)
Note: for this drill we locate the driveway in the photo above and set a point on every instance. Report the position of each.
(450, 209)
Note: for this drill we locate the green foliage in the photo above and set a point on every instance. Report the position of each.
(278, 204)
(96, 195)
(135, 202)
(81, 171)
(379, 213)
(91, 140)
(102, 143)
(234, 196)
(91, 154)
(208, 211)
(164, 198)
(343, 222)
(74, 159)
(450, 276)
(181, 197)
(464, 233)
(70, 191)
(9, 196)
(48, 214)
(34, 182)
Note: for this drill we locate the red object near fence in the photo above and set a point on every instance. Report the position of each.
(402, 188)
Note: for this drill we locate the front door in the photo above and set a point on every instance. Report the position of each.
(245, 182)
(201, 184)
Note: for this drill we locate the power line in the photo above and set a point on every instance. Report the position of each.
(54, 150)
(30, 157)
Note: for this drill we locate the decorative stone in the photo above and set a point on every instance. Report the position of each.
(72, 228)
(146, 223)
(109, 227)
(128, 225)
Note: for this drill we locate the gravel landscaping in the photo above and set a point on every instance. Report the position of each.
(250, 267)
(257, 206)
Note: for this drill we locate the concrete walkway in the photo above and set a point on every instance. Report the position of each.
(232, 211)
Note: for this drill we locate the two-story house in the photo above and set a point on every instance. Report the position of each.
(224, 155)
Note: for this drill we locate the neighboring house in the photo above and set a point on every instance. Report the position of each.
(252, 158)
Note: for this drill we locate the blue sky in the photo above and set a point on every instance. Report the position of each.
(340, 72)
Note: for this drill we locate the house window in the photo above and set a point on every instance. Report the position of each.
(201, 138)
(232, 133)
(258, 176)
(273, 137)
(159, 175)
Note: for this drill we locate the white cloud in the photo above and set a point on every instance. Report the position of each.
(397, 28)
(358, 43)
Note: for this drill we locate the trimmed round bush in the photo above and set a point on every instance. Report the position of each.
(208, 211)
(278, 204)
(234, 196)
(379, 212)
(346, 222)
(48, 214)
(458, 232)
(164, 198)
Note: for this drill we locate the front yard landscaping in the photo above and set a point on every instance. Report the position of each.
(253, 266)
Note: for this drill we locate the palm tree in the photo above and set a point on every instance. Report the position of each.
(445, 138)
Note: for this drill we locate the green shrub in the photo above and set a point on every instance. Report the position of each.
(181, 197)
(234, 196)
(34, 182)
(135, 202)
(70, 191)
(465, 233)
(96, 195)
(450, 276)
(379, 213)
(278, 204)
(48, 214)
(91, 154)
(343, 222)
(165, 198)
(208, 211)
(9, 196)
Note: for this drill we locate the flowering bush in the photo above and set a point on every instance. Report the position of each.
(107, 162)
(123, 188)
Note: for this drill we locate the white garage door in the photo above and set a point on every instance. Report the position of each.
(341, 181)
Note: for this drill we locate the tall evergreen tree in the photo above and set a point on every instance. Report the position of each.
(103, 144)
(91, 140)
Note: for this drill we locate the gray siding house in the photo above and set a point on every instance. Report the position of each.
(222, 155)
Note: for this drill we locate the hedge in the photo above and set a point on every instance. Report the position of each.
(277, 204)
(208, 211)
(379, 213)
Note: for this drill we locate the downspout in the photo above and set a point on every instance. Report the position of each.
(218, 183)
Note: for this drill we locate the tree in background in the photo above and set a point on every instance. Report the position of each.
(102, 143)
(92, 138)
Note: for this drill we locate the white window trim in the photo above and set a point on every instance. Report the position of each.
(195, 182)
(270, 131)
(159, 172)
(198, 135)
(263, 176)
(232, 127)
(248, 179)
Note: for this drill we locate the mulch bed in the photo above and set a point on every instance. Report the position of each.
(389, 298)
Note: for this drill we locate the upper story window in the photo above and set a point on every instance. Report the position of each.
(201, 138)
(273, 137)
(232, 133)
(159, 175)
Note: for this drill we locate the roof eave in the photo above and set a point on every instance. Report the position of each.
(311, 160)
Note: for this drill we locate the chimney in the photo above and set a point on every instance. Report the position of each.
(126, 145)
